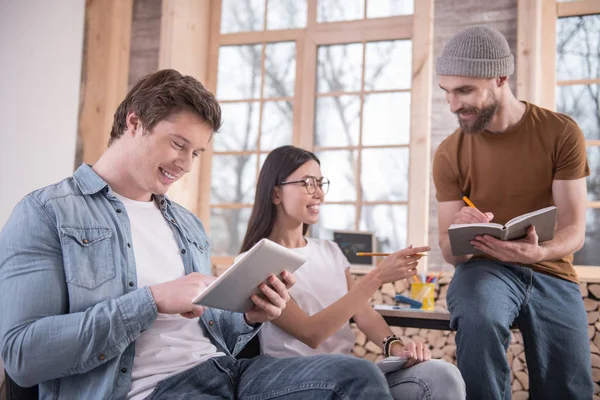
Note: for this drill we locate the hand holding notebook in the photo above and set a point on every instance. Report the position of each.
(544, 221)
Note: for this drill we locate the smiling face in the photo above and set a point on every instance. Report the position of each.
(473, 100)
(161, 156)
(293, 201)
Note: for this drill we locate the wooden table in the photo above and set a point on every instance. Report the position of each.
(414, 318)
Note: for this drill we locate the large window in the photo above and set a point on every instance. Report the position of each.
(578, 95)
(336, 77)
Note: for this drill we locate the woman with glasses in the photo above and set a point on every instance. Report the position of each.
(289, 194)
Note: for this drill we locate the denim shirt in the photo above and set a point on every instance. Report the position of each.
(71, 307)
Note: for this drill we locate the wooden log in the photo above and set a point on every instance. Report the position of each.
(583, 289)
(373, 348)
(517, 365)
(450, 350)
(388, 289)
(361, 338)
(523, 378)
(516, 385)
(520, 395)
(596, 374)
(437, 353)
(516, 349)
(359, 351)
(594, 289)
(590, 304)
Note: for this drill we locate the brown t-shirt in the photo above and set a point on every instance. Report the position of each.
(511, 173)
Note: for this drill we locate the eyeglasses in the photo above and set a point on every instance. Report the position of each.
(311, 183)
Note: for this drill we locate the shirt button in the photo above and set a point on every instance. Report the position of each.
(211, 322)
(162, 202)
(85, 241)
(128, 244)
(131, 284)
(118, 210)
(101, 357)
(182, 251)
(174, 220)
(123, 370)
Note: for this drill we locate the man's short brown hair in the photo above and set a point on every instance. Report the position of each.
(157, 96)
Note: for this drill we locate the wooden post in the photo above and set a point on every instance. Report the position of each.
(420, 131)
(529, 51)
(184, 46)
(105, 73)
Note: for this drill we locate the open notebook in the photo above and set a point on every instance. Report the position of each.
(543, 219)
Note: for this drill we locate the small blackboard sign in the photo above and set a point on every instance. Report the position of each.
(356, 242)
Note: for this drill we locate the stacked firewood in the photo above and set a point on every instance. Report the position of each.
(442, 343)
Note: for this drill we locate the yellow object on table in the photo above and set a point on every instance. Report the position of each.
(423, 292)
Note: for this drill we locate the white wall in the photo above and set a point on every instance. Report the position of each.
(41, 46)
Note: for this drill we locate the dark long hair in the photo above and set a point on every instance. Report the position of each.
(279, 164)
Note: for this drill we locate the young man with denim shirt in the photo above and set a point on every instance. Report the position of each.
(97, 274)
(511, 157)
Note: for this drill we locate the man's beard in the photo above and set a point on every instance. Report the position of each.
(483, 116)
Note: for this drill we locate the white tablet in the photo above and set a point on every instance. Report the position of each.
(233, 289)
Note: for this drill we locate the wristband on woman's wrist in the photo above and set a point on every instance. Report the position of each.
(389, 342)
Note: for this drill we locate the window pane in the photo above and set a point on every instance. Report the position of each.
(227, 230)
(384, 174)
(233, 179)
(386, 119)
(280, 69)
(239, 72)
(340, 167)
(240, 127)
(388, 65)
(261, 160)
(242, 16)
(581, 102)
(334, 217)
(578, 47)
(590, 253)
(276, 125)
(340, 10)
(336, 121)
(388, 8)
(388, 222)
(339, 68)
(593, 181)
(286, 14)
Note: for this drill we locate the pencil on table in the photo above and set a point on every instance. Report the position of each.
(437, 279)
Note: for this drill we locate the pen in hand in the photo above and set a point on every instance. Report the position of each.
(469, 203)
(488, 215)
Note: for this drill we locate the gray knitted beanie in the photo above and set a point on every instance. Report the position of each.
(479, 52)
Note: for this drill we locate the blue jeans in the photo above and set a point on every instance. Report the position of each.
(486, 297)
(266, 377)
(431, 380)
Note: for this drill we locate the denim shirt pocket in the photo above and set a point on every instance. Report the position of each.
(200, 254)
(87, 256)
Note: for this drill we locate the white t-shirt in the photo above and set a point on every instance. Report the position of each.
(320, 282)
(172, 344)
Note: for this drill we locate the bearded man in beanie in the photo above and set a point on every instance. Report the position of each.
(511, 157)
